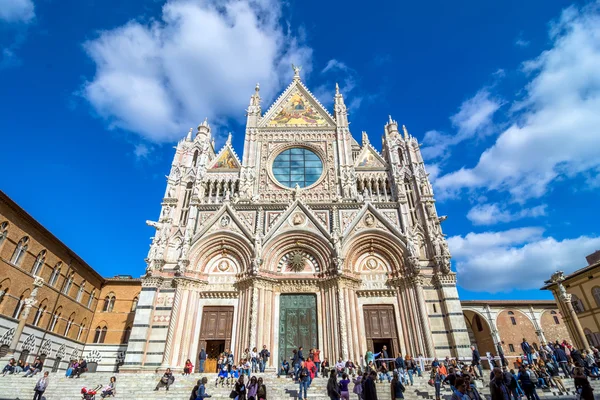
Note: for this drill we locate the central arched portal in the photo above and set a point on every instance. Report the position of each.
(297, 323)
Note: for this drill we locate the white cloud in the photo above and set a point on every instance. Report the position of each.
(201, 60)
(17, 10)
(516, 259)
(473, 119)
(349, 80)
(489, 214)
(555, 129)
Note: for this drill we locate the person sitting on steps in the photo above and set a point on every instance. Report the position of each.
(166, 380)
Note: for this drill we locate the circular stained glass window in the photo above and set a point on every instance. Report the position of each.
(297, 166)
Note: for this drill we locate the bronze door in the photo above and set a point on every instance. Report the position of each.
(297, 324)
(380, 326)
(215, 332)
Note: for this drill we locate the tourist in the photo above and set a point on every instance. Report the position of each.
(295, 363)
(19, 367)
(10, 367)
(451, 379)
(358, 381)
(317, 360)
(333, 390)
(476, 361)
(577, 358)
(344, 390)
(325, 367)
(222, 376)
(285, 368)
(436, 378)
(544, 378)
(369, 357)
(400, 362)
(397, 388)
(471, 389)
(499, 388)
(555, 377)
(303, 377)
(518, 391)
(40, 387)
(202, 360)
(188, 368)
(384, 373)
(340, 366)
(221, 362)
(240, 389)
(527, 350)
(110, 389)
(246, 354)
(312, 369)
(350, 367)
(420, 365)
(264, 357)
(383, 354)
(562, 360)
(37, 367)
(410, 367)
(461, 389)
(81, 368)
(252, 388)
(526, 383)
(234, 376)
(201, 391)
(229, 359)
(501, 354)
(70, 369)
(262, 390)
(369, 388)
(246, 367)
(582, 385)
(166, 380)
(254, 359)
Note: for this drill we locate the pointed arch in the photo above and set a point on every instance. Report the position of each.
(3, 232)
(230, 244)
(313, 245)
(55, 274)
(387, 246)
(55, 319)
(20, 251)
(39, 262)
(81, 329)
(43, 305)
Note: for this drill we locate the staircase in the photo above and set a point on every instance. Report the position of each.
(141, 387)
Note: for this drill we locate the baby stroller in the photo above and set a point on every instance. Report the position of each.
(89, 394)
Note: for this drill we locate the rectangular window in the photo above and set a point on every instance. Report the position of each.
(511, 348)
(513, 320)
(556, 321)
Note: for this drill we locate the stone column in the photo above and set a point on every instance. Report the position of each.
(492, 323)
(172, 323)
(577, 333)
(29, 302)
(342, 319)
(426, 330)
(253, 316)
(536, 325)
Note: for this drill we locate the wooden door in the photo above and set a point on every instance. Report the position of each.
(297, 324)
(215, 333)
(380, 323)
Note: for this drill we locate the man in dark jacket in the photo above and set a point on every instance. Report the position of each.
(562, 360)
(476, 361)
(369, 390)
(499, 388)
(577, 358)
(202, 357)
(501, 354)
(526, 347)
(399, 362)
(264, 358)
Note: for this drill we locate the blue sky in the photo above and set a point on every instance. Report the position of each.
(504, 96)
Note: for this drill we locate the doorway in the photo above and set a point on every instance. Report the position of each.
(213, 349)
(297, 324)
(380, 329)
(378, 347)
(215, 334)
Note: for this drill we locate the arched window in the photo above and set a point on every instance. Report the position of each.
(512, 318)
(111, 304)
(81, 329)
(478, 323)
(55, 274)
(19, 307)
(555, 317)
(596, 294)
(20, 251)
(135, 302)
(80, 291)
(40, 313)
(577, 304)
(3, 232)
(4, 287)
(55, 319)
(38, 265)
(590, 337)
(68, 284)
(400, 156)
(100, 334)
(106, 304)
(69, 323)
(91, 299)
(195, 159)
(126, 334)
(185, 209)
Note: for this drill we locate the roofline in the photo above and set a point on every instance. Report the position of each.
(574, 274)
(19, 210)
(511, 302)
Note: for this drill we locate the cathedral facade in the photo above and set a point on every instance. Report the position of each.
(309, 239)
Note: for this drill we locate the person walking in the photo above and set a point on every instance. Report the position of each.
(358, 385)
(344, 387)
(40, 386)
(201, 392)
(561, 358)
(526, 347)
(476, 361)
(264, 357)
(312, 369)
(333, 390)
(461, 390)
(202, 358)
(582, 385)
(397, 388)
(437, 378)
(370, 390)
(303, 377)
(527, 384)
(317, 360)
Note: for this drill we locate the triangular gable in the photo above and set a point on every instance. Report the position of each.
(226, 160)
(301, 217)
(362, 221)
(297, 107)
(226, 219)
(369, 159)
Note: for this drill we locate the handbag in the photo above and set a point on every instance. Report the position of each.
(233, 394)
(430, 382)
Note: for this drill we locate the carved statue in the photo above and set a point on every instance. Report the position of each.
(337, 243)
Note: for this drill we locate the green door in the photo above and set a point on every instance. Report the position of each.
(297, 324)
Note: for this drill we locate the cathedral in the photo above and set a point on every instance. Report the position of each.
(308, 239)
